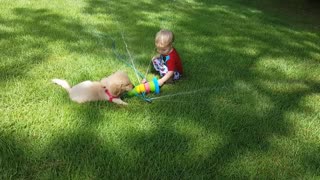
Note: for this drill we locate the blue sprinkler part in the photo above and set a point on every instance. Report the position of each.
(143, 97)
(157, 90)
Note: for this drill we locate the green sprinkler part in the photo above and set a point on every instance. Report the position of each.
(133, 92)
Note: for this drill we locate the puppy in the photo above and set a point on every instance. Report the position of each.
(108, 89)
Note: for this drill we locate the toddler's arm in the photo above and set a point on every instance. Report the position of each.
(165, 78)
(156, 57)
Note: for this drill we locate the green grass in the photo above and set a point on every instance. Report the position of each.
(256, 114)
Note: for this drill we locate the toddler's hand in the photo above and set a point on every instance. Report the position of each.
(155, 57)
(143, 81)
(160, 82)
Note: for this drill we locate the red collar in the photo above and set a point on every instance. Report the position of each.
(110, 95)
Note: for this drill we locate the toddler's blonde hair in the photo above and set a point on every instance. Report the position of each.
(164, 38)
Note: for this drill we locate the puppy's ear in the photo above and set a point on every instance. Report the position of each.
(115, 89)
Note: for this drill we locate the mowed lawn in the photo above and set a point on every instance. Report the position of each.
(248, 106)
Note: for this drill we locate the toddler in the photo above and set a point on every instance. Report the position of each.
(167, 62)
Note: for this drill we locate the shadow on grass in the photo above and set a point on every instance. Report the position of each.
(27, 37)
(25, 43)
(14, 160)
(245, 115)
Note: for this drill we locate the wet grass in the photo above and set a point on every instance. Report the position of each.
(248, 107)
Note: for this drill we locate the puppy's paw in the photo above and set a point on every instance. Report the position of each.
(119, 101)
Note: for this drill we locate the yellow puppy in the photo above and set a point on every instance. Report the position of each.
(108, 89)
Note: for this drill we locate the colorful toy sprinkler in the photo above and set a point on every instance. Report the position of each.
(146, 88)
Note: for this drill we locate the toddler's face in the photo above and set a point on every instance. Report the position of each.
(164, 50)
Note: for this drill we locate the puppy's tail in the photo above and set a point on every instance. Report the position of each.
(62, 83)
